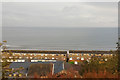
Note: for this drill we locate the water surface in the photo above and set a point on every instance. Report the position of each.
(60, 38)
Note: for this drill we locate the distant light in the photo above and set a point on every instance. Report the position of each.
(1, 49)
(82, 58)
(71, 58)
(105, 59)
(75, 62)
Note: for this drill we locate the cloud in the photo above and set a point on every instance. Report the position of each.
(100, 14)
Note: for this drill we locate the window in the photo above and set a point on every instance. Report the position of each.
(10, 57)
(45, 54)
(53, 58)
(52, 54)
(11, 60)
(70, 58)
(76, 62)
(15, 60)
(8, 61)
(82, 58)
(99, 54)
(41, 54)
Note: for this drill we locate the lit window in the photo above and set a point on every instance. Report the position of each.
(89, 58)
(22, 60)
(75, 62)
(45, 54)
(15, 61)
(11, 60)
(105, 59)
(52, 54)
(53, 58)
(70, 58)
(82, 58)
(8, 61)
(10, 57)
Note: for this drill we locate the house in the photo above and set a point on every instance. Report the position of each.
(27, 67)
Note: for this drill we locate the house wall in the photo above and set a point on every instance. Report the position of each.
(74, 56)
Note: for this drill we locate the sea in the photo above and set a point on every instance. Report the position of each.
(60, 38)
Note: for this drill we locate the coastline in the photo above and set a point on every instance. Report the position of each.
(59, 51)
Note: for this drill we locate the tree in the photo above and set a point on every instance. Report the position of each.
(4, 43)
(0, 44)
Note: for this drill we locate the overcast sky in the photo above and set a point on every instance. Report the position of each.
(62, 14)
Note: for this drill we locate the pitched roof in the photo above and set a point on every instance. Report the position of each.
(58, 65)
(41, 69)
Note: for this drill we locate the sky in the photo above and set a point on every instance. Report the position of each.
(60, 14)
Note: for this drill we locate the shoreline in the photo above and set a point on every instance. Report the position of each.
(60, 51)
(66, 49)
